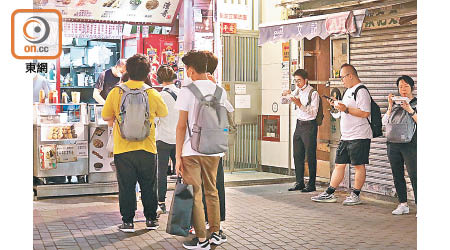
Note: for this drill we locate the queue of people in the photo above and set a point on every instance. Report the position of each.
(151, 127)
(356, 134)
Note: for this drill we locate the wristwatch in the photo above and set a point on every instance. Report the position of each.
(346, 110)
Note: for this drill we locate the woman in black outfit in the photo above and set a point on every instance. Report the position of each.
(401, 154)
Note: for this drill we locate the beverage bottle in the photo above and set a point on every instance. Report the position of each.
(55, 96)
(41, 96)
(50, 97)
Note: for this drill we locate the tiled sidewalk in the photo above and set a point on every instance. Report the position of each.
(258, 217)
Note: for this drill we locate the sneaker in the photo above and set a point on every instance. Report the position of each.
(401, 209)
(192, 230)
(163, 208)
(207, 226)
(127, 227)
(151, 224)
(222, 236)
(217, 239)
(296, 187)
(308, 189)
(196, 244)
(352, 199)
(324, 197)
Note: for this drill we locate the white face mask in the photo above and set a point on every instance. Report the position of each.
(187, 81)
(118, 74)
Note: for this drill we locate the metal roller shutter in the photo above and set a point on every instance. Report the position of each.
(380, 56)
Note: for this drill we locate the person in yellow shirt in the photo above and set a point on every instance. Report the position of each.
(135, 160)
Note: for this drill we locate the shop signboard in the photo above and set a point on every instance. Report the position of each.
(162, 12)
(238, 12)
(228, 28)
(349, 22)
(92, 30)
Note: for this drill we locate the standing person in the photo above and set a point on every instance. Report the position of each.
(166, 131)
(220, 181)
(305, 135)
(39, 83)
(135, 158)
(107, 80)
(401, 154)
(197, 168)
(356, 135)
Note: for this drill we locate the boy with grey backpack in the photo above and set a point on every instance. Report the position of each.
(133, 107)
(201, 137)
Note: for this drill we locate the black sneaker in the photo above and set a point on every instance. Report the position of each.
(126, 227)
(308, 189)
(152, 224)
(296, 187)
(162, 206)
(196, 244)
(217, 239)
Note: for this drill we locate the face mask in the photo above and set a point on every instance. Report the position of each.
(187, 81)
(119, 74)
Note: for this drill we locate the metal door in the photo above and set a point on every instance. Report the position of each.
(381, 56)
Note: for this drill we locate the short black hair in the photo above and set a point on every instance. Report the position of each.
(165, 73)
(138, 67)
(212, 62)
(407, 79)
(302, 73)
(121, 62)
(351, 67)
(197, 60)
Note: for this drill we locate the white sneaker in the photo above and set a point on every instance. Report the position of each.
(401, 209)
(351, 200)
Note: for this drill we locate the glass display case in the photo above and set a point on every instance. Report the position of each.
(60, 138)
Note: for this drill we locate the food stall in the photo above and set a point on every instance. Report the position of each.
(70, 138)
(60, 136)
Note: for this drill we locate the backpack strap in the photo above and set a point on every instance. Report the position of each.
(310, 97)
(358, 88)
(218, 93)
(174, 96)
(194, 89)
(371, 100)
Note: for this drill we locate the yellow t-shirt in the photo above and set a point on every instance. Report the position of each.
(111, 108)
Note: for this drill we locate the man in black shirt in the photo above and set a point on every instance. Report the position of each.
(107, 80)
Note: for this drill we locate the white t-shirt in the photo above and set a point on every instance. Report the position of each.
(166, 126)
(186, 101)
(353, 127)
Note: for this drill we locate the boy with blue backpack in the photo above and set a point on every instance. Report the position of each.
(133, 106)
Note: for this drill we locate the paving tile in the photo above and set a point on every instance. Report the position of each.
(258, 217)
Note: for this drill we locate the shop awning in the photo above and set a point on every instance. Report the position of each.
(349, 22)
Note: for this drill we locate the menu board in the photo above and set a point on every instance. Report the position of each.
(100, 159)
(148, 11)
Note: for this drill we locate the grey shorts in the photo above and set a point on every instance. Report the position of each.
(355, 152)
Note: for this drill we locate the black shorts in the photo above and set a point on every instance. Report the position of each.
(355, 152)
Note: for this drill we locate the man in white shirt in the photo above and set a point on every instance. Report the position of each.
(165, 130)
(197, 168)
(356, 135)
(305, 135)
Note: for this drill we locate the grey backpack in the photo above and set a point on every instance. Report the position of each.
(400, 127)
(134, 113)
(210, 129)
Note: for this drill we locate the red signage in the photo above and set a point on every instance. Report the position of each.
(228, 28)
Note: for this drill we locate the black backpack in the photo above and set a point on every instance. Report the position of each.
(375, 113)
(319, 117)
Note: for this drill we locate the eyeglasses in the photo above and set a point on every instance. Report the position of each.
(342, 78)
(297, 80)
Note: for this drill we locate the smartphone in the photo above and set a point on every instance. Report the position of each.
(329, 98)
